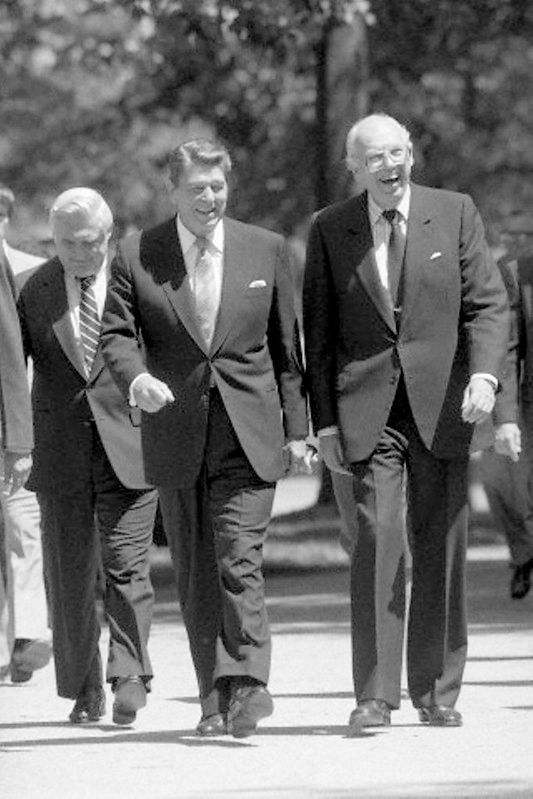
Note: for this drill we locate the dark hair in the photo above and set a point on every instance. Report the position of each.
(7, 201)
(204, 152)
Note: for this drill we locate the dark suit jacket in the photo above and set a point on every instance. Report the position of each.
(15, 408)
(254, 360)
(454, 321)
(64, 401)
(517, 384)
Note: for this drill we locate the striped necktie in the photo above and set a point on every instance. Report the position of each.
(89, 321)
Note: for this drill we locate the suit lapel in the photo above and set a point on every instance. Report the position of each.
(418, 249)
(359, 225)
(166, 252)
(235, 261)
(57, 301)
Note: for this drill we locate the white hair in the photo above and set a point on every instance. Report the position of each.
(84, 202)
(354, 136)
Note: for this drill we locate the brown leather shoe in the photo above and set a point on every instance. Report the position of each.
(369, 713)
(130, 695)
(440, 716)
(248, 704)
(211, 726)
(89, 706)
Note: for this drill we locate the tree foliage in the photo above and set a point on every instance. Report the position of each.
(96, 92)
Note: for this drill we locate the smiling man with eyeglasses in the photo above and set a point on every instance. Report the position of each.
(406, 328)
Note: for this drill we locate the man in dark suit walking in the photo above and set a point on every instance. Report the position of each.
(406, 327)
(506, 468)
(221, 391)
(88, 470)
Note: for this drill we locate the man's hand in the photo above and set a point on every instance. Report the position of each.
(17, 467)
(478, 400)
(151, 394)
(302, 457)
(332, 453)
(508, 440)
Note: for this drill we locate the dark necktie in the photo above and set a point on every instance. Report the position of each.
(395, 252)
(89, 321)
(206, 305)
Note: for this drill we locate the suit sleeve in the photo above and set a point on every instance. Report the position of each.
(485, 307)
(120, 336)
(15, 405)
(506, 407)
(320, 331)
(285, 349)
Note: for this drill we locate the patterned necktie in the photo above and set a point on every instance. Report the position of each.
(89, 321)
(205, 297)
(395, 253)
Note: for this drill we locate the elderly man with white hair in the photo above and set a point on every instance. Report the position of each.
(406, 327)
(88, 469)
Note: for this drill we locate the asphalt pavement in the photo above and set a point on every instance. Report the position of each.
(302, 751)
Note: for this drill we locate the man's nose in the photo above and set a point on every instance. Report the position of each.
(207, 195)
(388, 160)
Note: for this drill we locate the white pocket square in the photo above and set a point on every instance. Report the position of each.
(257, 284)
(435, 255)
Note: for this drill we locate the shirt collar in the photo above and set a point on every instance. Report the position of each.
(187, 239)
(375, 212)
(70, 278)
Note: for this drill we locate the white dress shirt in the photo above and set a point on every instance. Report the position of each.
(215, 249)
(381, 230)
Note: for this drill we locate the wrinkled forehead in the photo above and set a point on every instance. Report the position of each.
(78, 224)
(380, 134)
(202, 173)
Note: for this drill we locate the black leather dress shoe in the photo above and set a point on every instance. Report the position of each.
(369, 713)
(28, 655)
(440, 716)
(130, 695)
(248, 704)
(211, 726)
(89, 706)
(521, 580)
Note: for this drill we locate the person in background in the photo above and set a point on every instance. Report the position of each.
(507, 474)
(88, 470)
(406, 327)
(25, 639)
(224, 414)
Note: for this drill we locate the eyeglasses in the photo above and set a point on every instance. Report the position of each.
(377, 160)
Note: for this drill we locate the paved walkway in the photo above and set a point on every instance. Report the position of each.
(302, 751)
